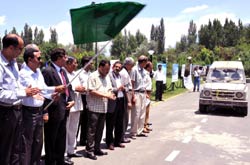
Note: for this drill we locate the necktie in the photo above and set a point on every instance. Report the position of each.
(64, 82)
(13, 70)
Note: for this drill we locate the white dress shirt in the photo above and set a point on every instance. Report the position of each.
(11, 90)
(78, 106)
(35, 79)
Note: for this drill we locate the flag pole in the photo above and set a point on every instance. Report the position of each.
(90, 61)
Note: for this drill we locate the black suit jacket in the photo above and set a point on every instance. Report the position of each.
(57, 111)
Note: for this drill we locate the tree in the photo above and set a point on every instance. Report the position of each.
(118, 46)
(192, 36)
(53, 36)
(40, 37)
(13, 31)
(140, 38)
(152, 33)
(231, 33)
(27, 34)
(132, 44)
(35, 35)
(157, 34)
(161, 37)
(182, 45)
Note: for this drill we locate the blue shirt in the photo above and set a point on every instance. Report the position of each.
(35, 79)
(11, 90)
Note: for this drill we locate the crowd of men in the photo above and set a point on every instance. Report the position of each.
(62, 102)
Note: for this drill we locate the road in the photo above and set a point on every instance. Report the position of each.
(183, 136)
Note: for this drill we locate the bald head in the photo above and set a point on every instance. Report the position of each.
(12, 40)
(12, 46)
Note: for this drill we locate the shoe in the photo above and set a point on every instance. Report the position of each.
(132, 137)
(76, 155)
(111, 147)
(149, 129)
(142, 135)
(126, 140)
(82, 143)
(91, 155)
(100, 153)
(67, 161)
(120, 145)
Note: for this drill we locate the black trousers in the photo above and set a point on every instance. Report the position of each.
(83, 121)
(159, 90)
(10, 135)
(125, 122)
(55, 141)
(32, 137)
(114, 123)
(95, 129)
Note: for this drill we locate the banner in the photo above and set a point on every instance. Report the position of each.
(164, 69)
(175, 70)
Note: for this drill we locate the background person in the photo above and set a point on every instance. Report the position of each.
(159, 79)
(196, 74)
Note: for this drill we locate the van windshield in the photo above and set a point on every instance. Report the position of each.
(226, 75)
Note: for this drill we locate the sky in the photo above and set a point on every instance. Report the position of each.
(177, 14)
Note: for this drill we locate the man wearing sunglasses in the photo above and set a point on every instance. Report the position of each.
(30, 75)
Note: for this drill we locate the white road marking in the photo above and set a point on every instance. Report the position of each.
(187, 139)
(204, 120)
(172, 155)
(197, 129)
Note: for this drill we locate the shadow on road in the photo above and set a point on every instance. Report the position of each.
(226, 112)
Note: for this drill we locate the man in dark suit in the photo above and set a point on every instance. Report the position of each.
(55, 128)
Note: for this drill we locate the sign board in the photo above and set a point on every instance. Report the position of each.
(175, 70)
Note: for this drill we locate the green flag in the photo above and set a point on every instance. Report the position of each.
(101, 22)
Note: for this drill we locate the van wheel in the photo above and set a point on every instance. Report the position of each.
(202, 108)
(244, 111)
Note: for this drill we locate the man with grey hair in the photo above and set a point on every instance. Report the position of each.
(138, 79)
(126, 81)
(30, 75)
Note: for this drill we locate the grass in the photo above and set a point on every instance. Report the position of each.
(169, 92)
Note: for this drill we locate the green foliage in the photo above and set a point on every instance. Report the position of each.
(157, 34)
(53, 36)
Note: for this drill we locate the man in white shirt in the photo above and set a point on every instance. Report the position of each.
(11, 93)
(74, 114)
(84, 75)
(159, 78)
(30, 75)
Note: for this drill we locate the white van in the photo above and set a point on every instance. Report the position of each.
(225, 87)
